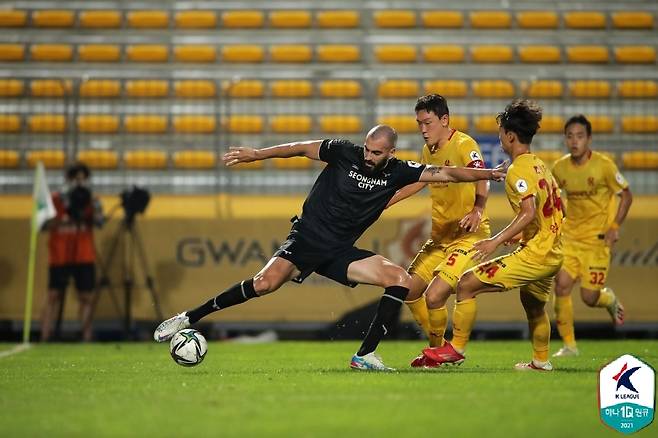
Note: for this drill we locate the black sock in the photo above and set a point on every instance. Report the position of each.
(236, 294)
(387, 312)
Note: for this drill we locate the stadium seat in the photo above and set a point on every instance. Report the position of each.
(11, 87)
(243, 124)
(537, 19)
(548, 156)
(291, 124)
(292, 163)
(195, 53)
(447, 88)
(394, 18)
(51, 52)
(145, 124)
(99, 158)
(632, 20)
(51, 158)
(404, 123)
(10, 123)
(99, 19)
(290, 53)
(589, 89)
(637, 89)
(195, 19)
(340, 88)
(242, 19)
(544, 54)
(493, 88)
(145, 159)
(50, 87)
(99, 52)
(587, 54)
(407, 155)
(194, 159)
(100, 88)
(639, 124)
(12, 52)
(147, 53)
(338, 53)
(395, 53)
(601, 124)
(244, 88)
(640, 160)
(544, 89)
(584, 20)
(53, 18)
(551, 124)
(195, 89)
(243, 53)
(486, 124)
(98, 123)
(635, 54)
(194, 124)
(340, 124)
(337, 19)
(490, 20)
(442, 19)
(147, 88)
(46, 123)
(9, 159)
(443, 53)
(459, 123)
(12, 18)
(148, 19)
(291, 88)
(398, 88)
(491, 53)
(290, 19)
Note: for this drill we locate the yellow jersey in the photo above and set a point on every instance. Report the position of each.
(529, 176)
(452, 201)
(590, 190)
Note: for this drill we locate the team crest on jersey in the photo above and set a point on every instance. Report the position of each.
(521, 186)
(475, 156)
(620, 178)
(413, 164)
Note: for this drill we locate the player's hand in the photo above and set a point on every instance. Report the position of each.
(611, 237)
(483, 249)
(499, 172)
(237, 155)
(471, 222)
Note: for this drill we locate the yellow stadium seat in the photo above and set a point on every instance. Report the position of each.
(340, 124)
(486, 124)
(292, 163)
(547, 54)
(340, 88)
(640, 160)
(195, 53)
(442, 19)
(194, 88)
(544, 89)
(11, 87)
(51, 52)
(51, 158)
(401, 123)
(490, 20)
(395, 53)
(291, 124)
(245, 88)
(99, 52)
(291, 88)
(243, 53)
(601, 124)
(551, 123)
(148, 19)
(548, 156)
(145, 124)
(12, 52)
(637, 88)
(635, 54)
(584, 20)
(50, 88)
(587, 54)
(195, 19)
(337, 19)
(194, 159)
(243, 124)
(46, 123)
(639, 124)
(11, 18)
(10, 123)
(493, 88)
(632, 20)
(290, 19)
(147, 88)
(459, 123)
(537, 19)
(590, 89)
(338, 53)
(394, 18)
(98, 123)
(242, 19)
(9, 159)
(147, 53)
(145, 159)
(100, 19)
(53, 18)
(491, 53)
(290, 53)
(447, 88)
(407, 155)
(443, 53)
(398, 88)
(195, 124)
(100, 88)
(99, 158)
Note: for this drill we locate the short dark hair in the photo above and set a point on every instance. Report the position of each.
(581, 120)
(521, 117)
(76, 168)
(433, 103)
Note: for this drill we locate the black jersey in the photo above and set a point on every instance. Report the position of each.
(346, 199)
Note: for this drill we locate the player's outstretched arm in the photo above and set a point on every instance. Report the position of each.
(462, 174)
(406, 192)
(309, 149)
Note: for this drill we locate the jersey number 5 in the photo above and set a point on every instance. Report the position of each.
(553, 200)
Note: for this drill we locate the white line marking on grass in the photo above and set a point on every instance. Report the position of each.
(15, 350)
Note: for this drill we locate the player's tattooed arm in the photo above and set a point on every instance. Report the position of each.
(309, 149)
(461, 174)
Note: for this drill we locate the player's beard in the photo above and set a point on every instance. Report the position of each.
(375, 168)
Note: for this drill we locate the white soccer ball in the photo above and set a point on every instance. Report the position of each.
(188, 347)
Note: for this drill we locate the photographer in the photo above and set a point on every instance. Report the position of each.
(71, 249)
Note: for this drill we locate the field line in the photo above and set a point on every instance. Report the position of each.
(15, 350)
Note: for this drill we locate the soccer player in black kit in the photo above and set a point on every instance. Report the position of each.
(348, 196)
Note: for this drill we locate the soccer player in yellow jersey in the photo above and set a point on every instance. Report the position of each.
(458, 220)
(535, 198)
(590, 181)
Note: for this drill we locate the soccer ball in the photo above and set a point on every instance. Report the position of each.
(188, 347)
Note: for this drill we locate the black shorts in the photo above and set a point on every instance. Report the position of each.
(330, 262)
(83, 274)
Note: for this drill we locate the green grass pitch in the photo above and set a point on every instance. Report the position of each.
(291, 389)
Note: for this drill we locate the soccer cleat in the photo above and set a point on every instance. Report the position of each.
(566, 352)
(616, 309)
(422, 361)
(445, 354)
(369, 362)
(167, 329)
(534, 366)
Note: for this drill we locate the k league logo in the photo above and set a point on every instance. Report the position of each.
(627, 394)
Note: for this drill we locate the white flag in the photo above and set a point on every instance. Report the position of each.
(44, 208)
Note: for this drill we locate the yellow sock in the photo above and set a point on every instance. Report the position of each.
(419, 311)
(606, 298)
(438, 320)
(463, 320)
(564, 320)
(540, 333)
